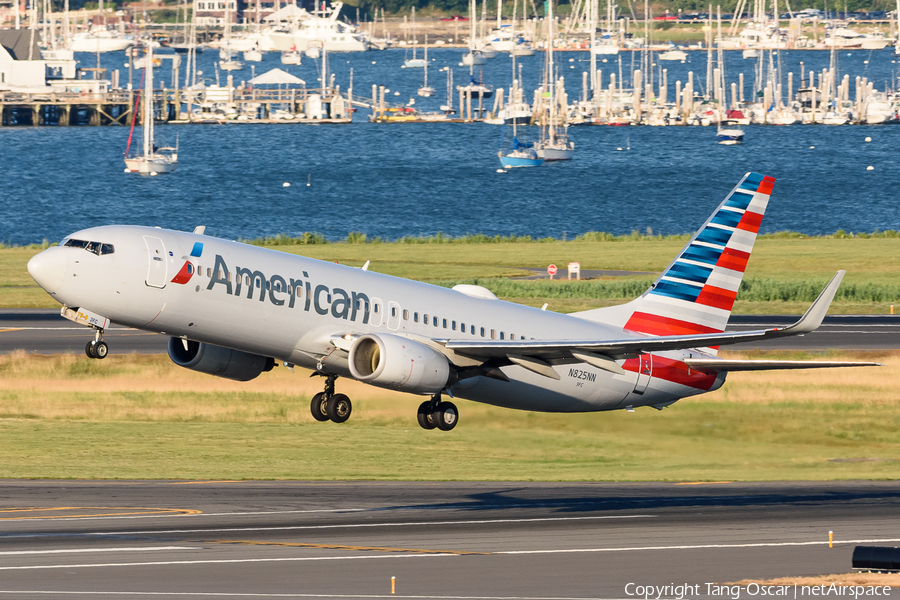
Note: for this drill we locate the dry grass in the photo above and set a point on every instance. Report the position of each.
(847, 579)
(150, 388)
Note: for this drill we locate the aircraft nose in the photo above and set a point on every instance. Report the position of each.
(49, 268)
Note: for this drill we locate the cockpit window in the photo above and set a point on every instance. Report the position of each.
(97, 248)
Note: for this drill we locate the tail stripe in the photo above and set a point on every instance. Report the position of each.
(697, 292)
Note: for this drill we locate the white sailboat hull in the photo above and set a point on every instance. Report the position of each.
(153, 164)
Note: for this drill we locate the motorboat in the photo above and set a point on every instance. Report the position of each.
(308, 28)
(674, 54)
(100, 40)
(729, 134)
(473, 58)
(291, 57)
(253, 55)
(520, 157)
(523, 49)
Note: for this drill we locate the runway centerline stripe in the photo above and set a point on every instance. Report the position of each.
(82, 550)
(360, 525)
(213, 561)
(335, 547)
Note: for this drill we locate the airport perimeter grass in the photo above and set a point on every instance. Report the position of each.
(781, 268)
(142, 417)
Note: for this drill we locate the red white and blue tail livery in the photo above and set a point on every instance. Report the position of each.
(235, 311)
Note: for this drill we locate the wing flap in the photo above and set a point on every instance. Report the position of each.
(720, 364)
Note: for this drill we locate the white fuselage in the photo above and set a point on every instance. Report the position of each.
(291, 308)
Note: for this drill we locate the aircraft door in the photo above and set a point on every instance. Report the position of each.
(645, 371)
(377, 315)
(157, 270)
(393, 316)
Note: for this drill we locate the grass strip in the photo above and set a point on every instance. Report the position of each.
(143, 417)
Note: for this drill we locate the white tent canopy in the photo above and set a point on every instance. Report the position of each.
(276, 77)
(288, 13)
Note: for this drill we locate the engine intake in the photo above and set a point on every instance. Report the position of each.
(218, 361)
(399, 363)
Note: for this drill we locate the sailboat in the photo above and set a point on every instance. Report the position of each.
(228, 62)
(554, 144)
(473, 56)
(153, 160)
(522, 154)
(426, 91)
(414, 63)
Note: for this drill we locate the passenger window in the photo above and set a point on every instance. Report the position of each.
(299, 291)
(512, 336)
(434, 322)
(393, 311)
(445, 323)
(453, 325)
(482, 332)
(376, 308)
(190, 269)
(462, 327)
(502, 336)
(209, 272)
(415, 317)
(405, 315)
(228, 275)
(473, 330)
(493, 334)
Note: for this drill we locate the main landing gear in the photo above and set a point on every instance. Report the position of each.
(435, 413)
(97, 348)
(328, 406)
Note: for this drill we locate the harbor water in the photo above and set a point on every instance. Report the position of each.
(393, 180)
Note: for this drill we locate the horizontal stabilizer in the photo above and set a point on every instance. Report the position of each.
(718, 364)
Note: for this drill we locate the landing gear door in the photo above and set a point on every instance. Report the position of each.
(645, 371)
(158, 267)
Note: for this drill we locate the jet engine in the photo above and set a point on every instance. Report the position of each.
(218, 361)
(399, 363)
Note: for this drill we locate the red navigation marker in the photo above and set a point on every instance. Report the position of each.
(551, 270)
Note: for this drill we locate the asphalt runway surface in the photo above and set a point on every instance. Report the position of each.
(199, 539)
(43, 331)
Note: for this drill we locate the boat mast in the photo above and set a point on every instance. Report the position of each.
(148, 101)
(592, 19)
(551, 79)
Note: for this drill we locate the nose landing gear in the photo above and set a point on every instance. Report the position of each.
(328, 406)
(437, 414)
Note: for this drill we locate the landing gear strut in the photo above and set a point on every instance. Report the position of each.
(97, 348)
(328, 406)
(435, 413)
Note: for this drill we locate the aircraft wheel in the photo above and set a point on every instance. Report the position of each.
(338, 408)
(446, 416)
(317, 407)
(89, 350)
(101, 350)
(424, 416)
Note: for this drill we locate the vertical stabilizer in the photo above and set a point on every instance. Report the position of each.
(696, 292)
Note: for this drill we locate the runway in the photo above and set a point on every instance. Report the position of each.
(43, 331)
(197, 539)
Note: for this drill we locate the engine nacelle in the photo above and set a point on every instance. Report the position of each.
(218, 361)
(398, 363)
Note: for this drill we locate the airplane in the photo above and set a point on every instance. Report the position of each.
(236, 311)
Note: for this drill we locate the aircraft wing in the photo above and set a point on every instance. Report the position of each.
(603, 350)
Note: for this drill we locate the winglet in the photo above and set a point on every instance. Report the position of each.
(813, 316)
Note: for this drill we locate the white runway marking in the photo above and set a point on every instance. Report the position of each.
(78, 550)
(164, 563)
(358, 525)
(695, 547)
(299, 595)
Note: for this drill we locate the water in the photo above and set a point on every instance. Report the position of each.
(411, 179)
